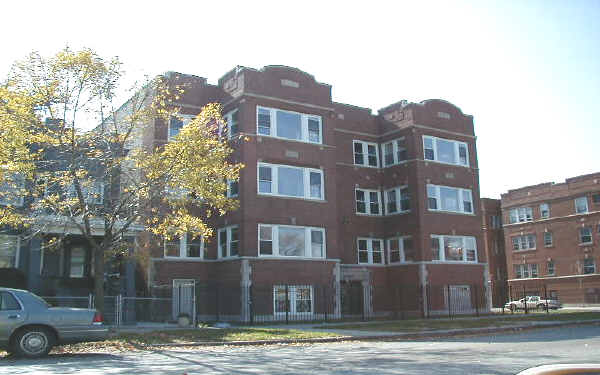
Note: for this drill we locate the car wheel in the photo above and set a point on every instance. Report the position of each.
(33, 342)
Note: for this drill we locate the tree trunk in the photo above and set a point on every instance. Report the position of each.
(99, 279)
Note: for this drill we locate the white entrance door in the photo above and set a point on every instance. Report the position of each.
(183, 297)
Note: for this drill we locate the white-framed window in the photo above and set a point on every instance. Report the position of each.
(525, 271)
(449, 199)
(524, 242)
(366, 153)
(9, 251)
(176, 123)
(291, 241)
(550, 268)
(228, 241)
(77, 262)
(299, 299)
(11, 193)
(585, 235)
(185, 247)
(445, 151)
(544, 210)
(233, 122)
(453, 248)
(370, 250)
(397, 200)
(548, 241)
(401, 250)
(589, 266)
(92, 191)
(368, 201)
(289, 181)
(394, 152)
(233, 188)
(297, 126)
(581, 205)
(520, 215)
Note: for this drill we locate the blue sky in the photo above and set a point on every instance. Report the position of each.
(528, 71)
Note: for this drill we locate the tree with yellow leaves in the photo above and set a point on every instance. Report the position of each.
(86, 171)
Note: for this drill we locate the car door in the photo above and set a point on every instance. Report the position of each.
(11, 314)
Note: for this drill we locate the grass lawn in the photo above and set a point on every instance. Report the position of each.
(419, 325)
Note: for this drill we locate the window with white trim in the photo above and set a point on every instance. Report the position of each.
(585, 235)
(524, 242)
(445, 151)
(589, 266)
(291, 241)
(370, 251)
(366, 153)
(176, 123)
(525, 271)
(449, 199)
(548, 239)
(394, 152)
(453, 248)
(228, 241)
(232, 188)
(185, 247)
(233, 122)
(397, 200)
(368, 202)
(401, 250)
(520, 215)
(9, 251)
(11, 190)
(297, 126)
(544, 210)
(92, 191)
(289, 181)
(581, 205)
(299, 299)
(550, 268)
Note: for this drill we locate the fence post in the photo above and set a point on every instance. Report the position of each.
(251, 303)
(546, 300)
(476, 300)
(364, 302)
(194, 311)
(449, 311)
(400, 301)
(90, 300)
(324, 289)
(525, 300)
(287, 305)
(428, 301)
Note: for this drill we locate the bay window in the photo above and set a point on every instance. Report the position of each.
(370, 251)
(291, 241)
(449, 199)
(397, 200)
(289, 125)
(453, 248)
(581, 205)
(368, 202)
(401, 250)
(526, 271)
(366, 154)
(233, 122)
(289, 181)
(394, 152)
(445, 151)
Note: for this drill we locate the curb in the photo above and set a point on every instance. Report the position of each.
(399, 336)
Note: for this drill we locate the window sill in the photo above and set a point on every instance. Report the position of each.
(398, 213)
(368, 215)
(444, 163)
(454, 261)
(549, 246)
(586, 243)
(524, 250)
(258, 135)
(283, 257)
(366, 166)
(183, 259)
(293, 198)
(451, 212)
(395, 164)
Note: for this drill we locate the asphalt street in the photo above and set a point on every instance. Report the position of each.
(500, 354)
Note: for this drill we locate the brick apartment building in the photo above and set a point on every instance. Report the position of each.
(493, 239)
(332, 195)
(553, 231)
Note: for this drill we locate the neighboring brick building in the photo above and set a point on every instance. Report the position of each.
(553, 231)
(493, 238)
(334, 196)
